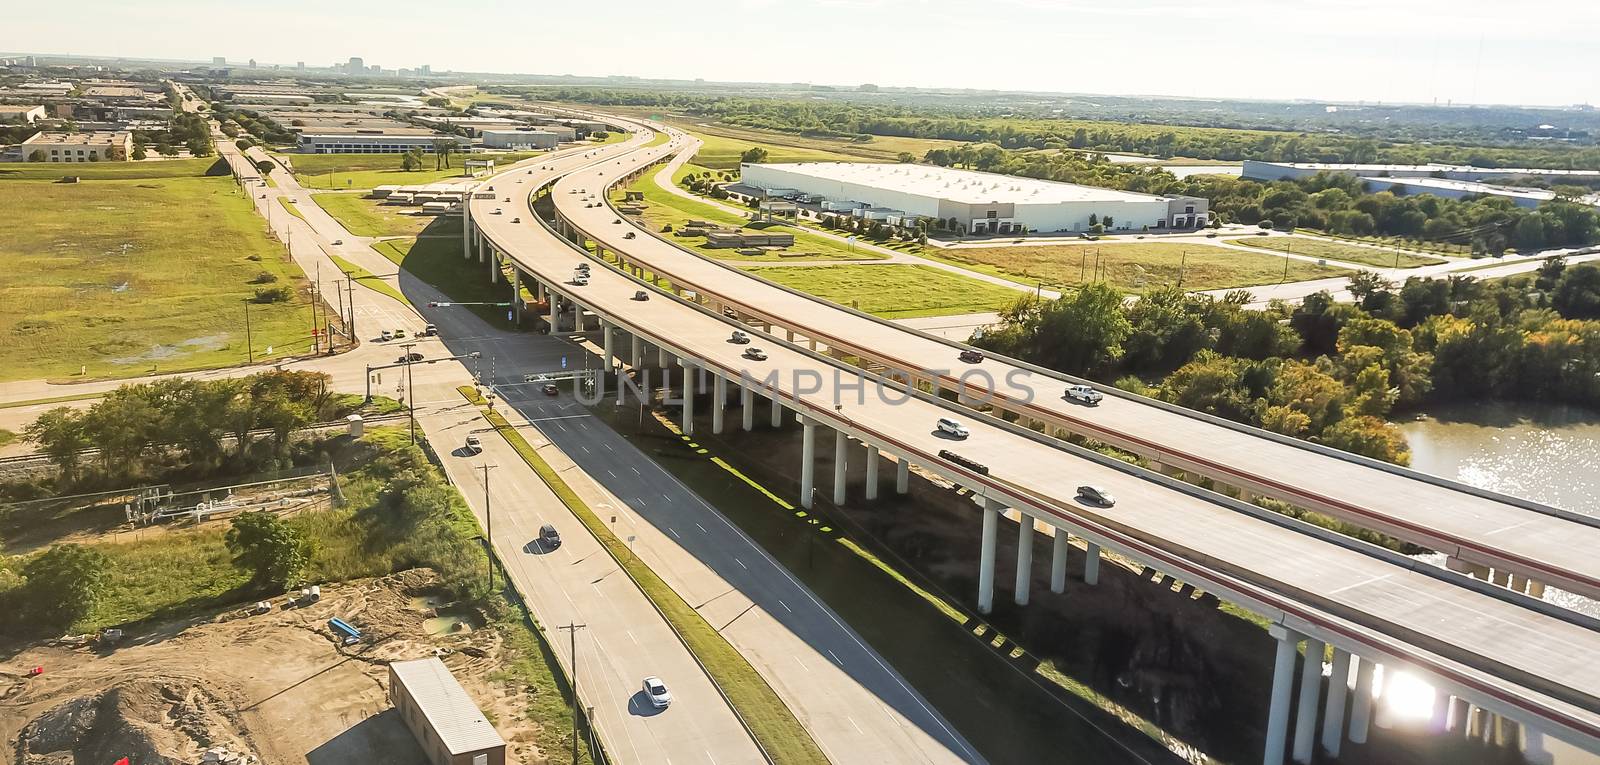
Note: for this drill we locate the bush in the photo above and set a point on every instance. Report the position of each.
(273, 294)
(273, 551)
(265, 277)
(1266, 225)
(64, 583)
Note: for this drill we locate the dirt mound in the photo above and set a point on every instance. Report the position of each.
(151, 722)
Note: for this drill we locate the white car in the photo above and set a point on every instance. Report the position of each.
(952, 427)
(739, 338)
(657, 692)
(1084, 393)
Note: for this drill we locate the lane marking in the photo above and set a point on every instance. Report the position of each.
(702, 528)
(674, 532)
(785, 605)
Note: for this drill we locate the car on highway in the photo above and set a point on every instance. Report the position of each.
(619, 220)
(1096, 495)
(580, 280)
(405, 357)
(656, 691)
(474, 446)
(549, 538)
(730, 313)
(971, 357)
(338, 242)
(952, 428)
(628, 235)
(496, 211)
(739, 337)
(508, 199)
(641, 295)
(516, 220)
(550, 389)
(1084, 393)
(755, 354)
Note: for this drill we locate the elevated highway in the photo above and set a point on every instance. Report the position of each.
(1503, 651)
(1520, 544)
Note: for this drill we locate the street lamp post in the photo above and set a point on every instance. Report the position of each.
(411, 392)
(488, 516)
(249, 344)
(572, 636)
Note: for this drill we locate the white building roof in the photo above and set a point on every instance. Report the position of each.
(449, 710)
(1373, 169)
(963, 186)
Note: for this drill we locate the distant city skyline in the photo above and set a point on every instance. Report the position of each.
(1466, 51)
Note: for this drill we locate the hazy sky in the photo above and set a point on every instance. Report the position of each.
(1534, 51)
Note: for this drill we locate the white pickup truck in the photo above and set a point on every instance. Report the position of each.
(1084, 393)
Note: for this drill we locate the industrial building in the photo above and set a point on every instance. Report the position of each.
(1453, 189)
(78, 147)
(1277, 171)
(356, 143)
(446, 723)
(519, 139)
(25, 113)
(979, 203)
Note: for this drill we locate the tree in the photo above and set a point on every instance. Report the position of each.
(264, 166)
(273, 551)
(61, 435)
(37, 155)
(1368, 436)
(139, 152)
(1265, 224)
(1577, 294)
(754, 155)
(64, 583)
(411, 160)
(906, 157)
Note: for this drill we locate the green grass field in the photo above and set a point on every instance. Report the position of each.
(364, 171)
(106, 171)
(893, 291)
(437, 261)
(1349, 253)
(294, 209)
(724, 144)
(1136, 267)
(369, 217)
(664, 208)
(125, 276)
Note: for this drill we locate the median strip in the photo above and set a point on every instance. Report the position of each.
(770, 722)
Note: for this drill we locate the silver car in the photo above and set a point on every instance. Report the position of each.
(657, 692)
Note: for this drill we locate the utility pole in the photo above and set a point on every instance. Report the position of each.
(411, 393)
(488, 516)
(572, 632)
(350, 290)
(1182, 262)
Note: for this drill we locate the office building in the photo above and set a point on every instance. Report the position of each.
(78, 147)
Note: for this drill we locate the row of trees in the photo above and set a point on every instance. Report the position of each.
(182, 425)
(1326, 371)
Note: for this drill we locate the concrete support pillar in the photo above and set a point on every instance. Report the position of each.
(1519, 583)
(1333, 716)
(1282, 689)
(1091, 565)
(719, 401)
(1459, 711)
(986, 553)
(1502, 578)
(1024, 581)
(808, 461)
(1305, 724)
(747, 407)
(494, 267)
(872, 472)
(902, 475)
(1058, 561)
(661, 357)
(555, 315)
(688, 399)
(1477, 722)
(636, 353)
(777, 411)
(516, 296)
(1536, 589)
(841, 451)
(1361, 705)
(1506, 732)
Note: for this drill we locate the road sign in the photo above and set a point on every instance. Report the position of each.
(508, 314)
(563, 362)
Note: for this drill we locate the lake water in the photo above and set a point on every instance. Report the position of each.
(1544, 452)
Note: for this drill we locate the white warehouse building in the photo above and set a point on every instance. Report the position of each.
(983, 203)
(519, 139)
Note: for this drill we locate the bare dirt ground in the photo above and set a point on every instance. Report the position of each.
(275, 686)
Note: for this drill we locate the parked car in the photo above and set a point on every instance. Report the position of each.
(951, 427)
(387, 335)
(641, 295)
(1095, 495)
(657, 692)
(550, 389)
(739, 337)
(755, 354)
(474, 445)
(549, 538)
(970, 356)
(430, 330)
(1084, 393)
(398, 334)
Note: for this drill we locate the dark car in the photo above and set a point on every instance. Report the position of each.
(405, 357)
(549, 538)
(971, 357)
(1096, 495)
(641, 295)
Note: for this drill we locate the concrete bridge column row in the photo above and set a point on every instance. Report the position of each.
(1515, 582)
